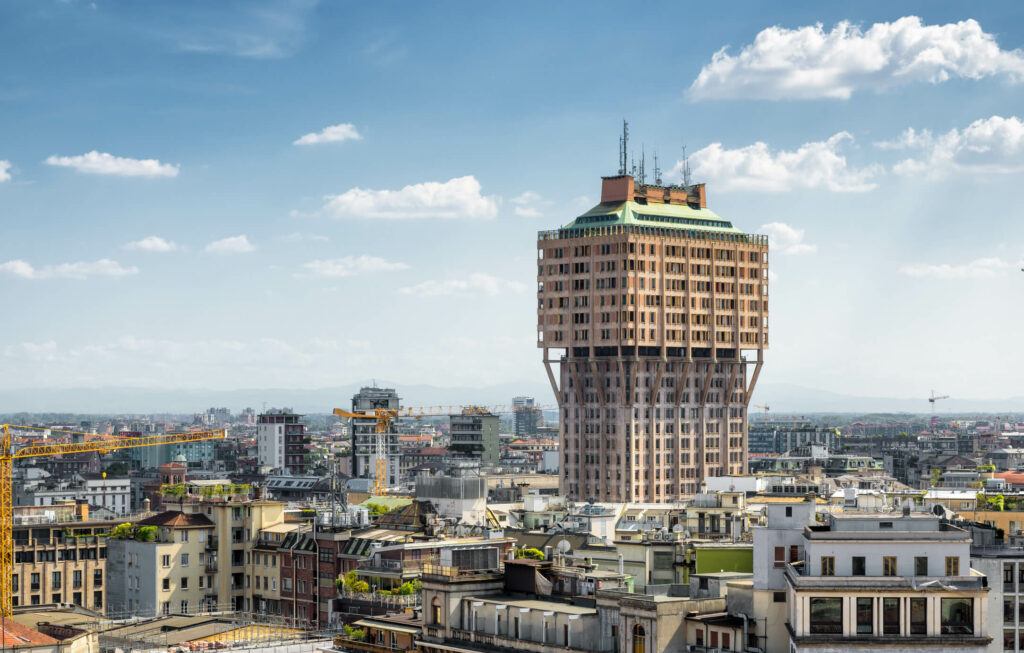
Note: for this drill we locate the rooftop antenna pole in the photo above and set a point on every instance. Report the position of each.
(657, 170)
(626, 144)
(643, 170)
(687, 181)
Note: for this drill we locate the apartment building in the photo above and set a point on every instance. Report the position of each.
(648, 304)
(1004, 568)
(364, 437)
(59, 557)
(237, 523)
(166, 575)
(875, 580)
(112, 493)
(526, 416)
(282, 441)
(474, 434)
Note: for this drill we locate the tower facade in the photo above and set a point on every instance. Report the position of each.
(653, 319)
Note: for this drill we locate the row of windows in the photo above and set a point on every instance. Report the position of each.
(826, 615)
(858, 566)
(56, 580)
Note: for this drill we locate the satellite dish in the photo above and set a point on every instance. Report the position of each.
(678, 528)
(564, 546)
(687, 535)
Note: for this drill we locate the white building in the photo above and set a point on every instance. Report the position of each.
(897, 581)
(113, 494)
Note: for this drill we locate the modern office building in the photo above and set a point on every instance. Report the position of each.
(649, 305)
(526, 416)
(474, 434)
(364, 437)
(281, 440)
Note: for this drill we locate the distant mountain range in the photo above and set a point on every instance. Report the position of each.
(780, 397)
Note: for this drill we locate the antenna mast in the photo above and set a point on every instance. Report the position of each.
(643, 170)
(687, 180)
(657, 170)
(623, 147)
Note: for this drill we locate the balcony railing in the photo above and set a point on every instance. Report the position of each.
(347, 643)
(211, 544)
(800, 579)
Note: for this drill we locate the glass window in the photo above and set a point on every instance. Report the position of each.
(827, 615)
(920, 565)
(865, 615)
(918, 616)
(828, 566)
(957, 616)
(1008, 640)
(1008, 611)
(858, 567)
(952, 566)
(891, 616)
(888, 565)
(780, 556)
(1020, 611)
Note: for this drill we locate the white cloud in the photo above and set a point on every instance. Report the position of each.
(808, 62)
(475, 283)
(348, 266)
(525, 204)
(455, 198)
(232, 245)
(152, 244)
(334, 134)
(982, 268)
(989, 146)
(5, 170)
(101, 163)
(755, 167)
(79, 270)
(784, 239)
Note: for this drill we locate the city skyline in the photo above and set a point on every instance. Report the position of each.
(304, 196)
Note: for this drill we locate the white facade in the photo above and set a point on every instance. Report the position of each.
(886, 580)
(270, 440)
(111, 493)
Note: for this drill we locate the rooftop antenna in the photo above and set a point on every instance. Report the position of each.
(633, 167)
(643, 171)
(623, 147)
(657, 170)
(687, 180)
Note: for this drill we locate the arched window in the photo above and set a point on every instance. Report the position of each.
(639, 639)
(435, 611)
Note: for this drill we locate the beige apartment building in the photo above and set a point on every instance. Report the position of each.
(655, 311)
(60, 556)
(163, 576)
(230, 560)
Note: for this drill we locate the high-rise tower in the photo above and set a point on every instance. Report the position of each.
(656, 309)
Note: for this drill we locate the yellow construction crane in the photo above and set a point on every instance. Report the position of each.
(385, 416)
(8, 454)
(766, 409)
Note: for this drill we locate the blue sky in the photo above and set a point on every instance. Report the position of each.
(164, 222)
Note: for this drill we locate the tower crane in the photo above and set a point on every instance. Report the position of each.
(932, 399)
(385, 416)
(766, 409)
(8, 454)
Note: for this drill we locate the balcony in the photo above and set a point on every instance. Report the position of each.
(211, 544)
(795, 574)
(211, 565)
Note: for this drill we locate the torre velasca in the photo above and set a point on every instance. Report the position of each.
(653, 318)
